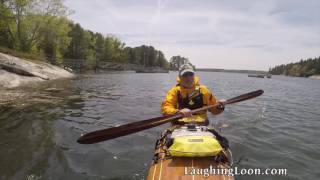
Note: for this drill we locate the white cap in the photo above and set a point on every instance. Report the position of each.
(185, 68)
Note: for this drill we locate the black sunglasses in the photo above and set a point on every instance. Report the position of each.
(188, 74)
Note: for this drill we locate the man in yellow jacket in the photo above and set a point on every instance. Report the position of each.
(187, 95)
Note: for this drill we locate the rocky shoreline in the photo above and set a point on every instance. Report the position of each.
(15, 71)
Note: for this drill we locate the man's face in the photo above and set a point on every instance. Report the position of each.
(187, 80)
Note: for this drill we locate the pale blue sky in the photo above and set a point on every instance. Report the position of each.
(229, 34)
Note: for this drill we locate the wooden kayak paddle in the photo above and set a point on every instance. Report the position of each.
(122, 130)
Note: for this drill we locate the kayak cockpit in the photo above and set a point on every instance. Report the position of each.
(181, 149)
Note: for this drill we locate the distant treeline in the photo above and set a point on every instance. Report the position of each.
(303, 68)
(40, 28)
(231, 71)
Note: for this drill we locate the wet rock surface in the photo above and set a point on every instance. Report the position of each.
(16, 71)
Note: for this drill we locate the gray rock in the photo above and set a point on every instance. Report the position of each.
(16, 71)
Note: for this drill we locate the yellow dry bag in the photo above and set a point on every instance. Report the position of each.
(195, 146)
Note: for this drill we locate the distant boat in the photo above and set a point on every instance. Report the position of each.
(269, 75)
(256, 75)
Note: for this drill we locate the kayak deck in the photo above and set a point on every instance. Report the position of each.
(185, 169)
(166, 167)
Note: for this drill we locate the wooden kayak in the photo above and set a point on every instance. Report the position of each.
(164, 167)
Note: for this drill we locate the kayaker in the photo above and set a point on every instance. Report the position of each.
(187, 95)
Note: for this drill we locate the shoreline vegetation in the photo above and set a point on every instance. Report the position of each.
(304, 68)
(38, 42)
(41, 30)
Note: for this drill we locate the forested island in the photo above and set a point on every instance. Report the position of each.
(303, 68)
(41, 30)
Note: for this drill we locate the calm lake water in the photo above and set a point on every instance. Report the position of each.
(38, 134)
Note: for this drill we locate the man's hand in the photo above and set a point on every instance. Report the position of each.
(221, 103)
(185, 112)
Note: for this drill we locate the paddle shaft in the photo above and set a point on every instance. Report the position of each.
(114, 132)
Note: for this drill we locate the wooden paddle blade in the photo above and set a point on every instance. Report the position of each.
(114, 132)
(244, 97)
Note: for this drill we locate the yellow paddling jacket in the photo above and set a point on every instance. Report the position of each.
(179, 97)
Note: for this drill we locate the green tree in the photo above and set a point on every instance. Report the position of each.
(177, 61)
(54, 39)
(99, 46)
(161, 60)
(6, 21)
(113, 48)
(29, 17)
(78, 46)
